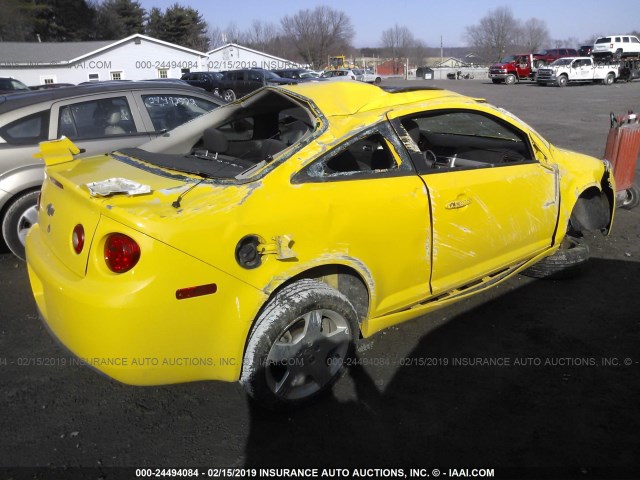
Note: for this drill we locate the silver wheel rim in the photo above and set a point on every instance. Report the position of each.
(26, 221)
(308, 354)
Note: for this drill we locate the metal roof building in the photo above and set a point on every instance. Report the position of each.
(137, 57)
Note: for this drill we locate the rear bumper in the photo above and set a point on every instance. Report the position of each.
(131, 326)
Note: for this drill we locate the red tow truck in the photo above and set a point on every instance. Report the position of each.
(513, 68)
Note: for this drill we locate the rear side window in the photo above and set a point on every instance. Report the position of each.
(96, 119)
(28, 130)
(169, 111)
(625, 39)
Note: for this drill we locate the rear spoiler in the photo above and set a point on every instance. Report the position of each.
(57, 151)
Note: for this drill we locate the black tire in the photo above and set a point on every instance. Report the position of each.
(632, 200)
(510, 79)
(562, 81)
(609, 79)
(298, 345)
(229, 95)
(540, 63)
(377, 80)
(618, 54)
(17, 221)
(568, 261)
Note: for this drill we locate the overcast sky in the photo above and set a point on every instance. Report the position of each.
(428, 20)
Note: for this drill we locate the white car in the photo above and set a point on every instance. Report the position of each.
(616, 46)
(342, 74)
(370, 76)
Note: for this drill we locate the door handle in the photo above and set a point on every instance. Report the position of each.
(459, 202)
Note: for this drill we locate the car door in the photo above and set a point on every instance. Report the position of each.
(99, 123)
(585, 69)
(255, 80)
(493, 204)
(372, 208)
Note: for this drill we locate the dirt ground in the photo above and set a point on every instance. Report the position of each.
(535, 379)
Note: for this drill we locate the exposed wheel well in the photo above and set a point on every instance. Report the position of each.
(345, 279)
(592, 211)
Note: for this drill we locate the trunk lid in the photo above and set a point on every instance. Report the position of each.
(66, 201)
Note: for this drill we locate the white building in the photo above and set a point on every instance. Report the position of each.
(233, 57)
(137, 57)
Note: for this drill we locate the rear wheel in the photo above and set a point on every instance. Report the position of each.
(609, 79)
(568, 261)
(298, 346)
(20, 217)
(229, 95)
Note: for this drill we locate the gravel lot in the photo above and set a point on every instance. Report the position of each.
(559, 399)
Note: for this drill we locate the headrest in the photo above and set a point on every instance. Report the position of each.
(214, 140)
(114, 117)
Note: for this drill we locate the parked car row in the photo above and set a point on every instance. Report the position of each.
(610, 58)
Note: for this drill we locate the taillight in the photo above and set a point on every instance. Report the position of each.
(121, 253)
(77, 238)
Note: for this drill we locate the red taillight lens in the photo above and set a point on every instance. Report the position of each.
(121, 253)
(77, 238)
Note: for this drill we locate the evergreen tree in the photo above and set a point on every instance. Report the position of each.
(180, 25)
(117, 19)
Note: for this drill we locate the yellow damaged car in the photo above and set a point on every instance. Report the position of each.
(260, 241)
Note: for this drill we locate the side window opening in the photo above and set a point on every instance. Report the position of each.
(463, 139)
(27, 130)
(167, 111)
(369, 155)
(96, 119)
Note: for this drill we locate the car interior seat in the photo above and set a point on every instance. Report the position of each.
(113, 124)
(293, 132)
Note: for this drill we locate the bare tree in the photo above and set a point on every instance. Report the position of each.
(418, 53)
(535, 35)
(221, 36)
(262, 36)
(318, 33)
(397, 41)
(496, 34)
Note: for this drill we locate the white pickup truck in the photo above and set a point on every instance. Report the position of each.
(577, 69)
